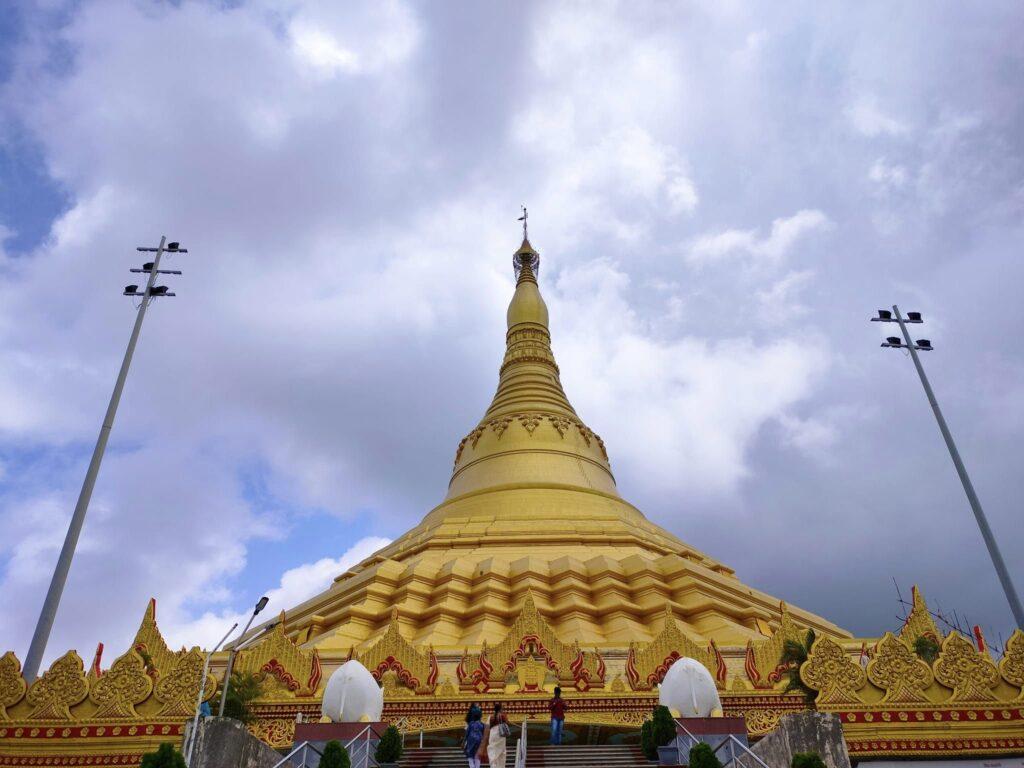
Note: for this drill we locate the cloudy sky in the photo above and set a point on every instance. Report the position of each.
(722, 194)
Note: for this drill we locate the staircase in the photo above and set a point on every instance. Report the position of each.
(565, 756)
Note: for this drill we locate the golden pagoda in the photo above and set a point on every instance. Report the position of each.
(532, 508)
(534, 572)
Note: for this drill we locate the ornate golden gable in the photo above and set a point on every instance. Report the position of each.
(12, 684)
(1011, 666)
(120, 688)
(61, 687)
(531, 636)
(831, 672)
(393, 653)
(277, 655)
(764, 665)
(899, 672)
(150, 644)
(178, 691)
(919, 622)
(970, 673)
(646, 667)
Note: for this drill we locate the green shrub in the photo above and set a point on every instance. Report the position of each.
(166, 756)
(647, 740)
(335, 756)
(701, 756)
(664, 727)
(807, 760)
(389, 748)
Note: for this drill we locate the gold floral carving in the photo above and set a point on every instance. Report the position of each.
(1011, 665)
(179, 690)
(278, 732)
(760, 721)
(919, 622)
(970, 673)
(123, 686)
(278, 656)
(61, 687)
(653, 660)
(831, 672)
(396, 654)
(899, 671)
(151, 645)
(12, 684)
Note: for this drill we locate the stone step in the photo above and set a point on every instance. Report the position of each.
(540, 756)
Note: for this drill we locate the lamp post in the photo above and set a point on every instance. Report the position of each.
(41, 635)
(924, 345)
(260, 605)
(202, 690)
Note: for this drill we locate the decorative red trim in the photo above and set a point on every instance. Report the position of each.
(316, 672)
(275, 668)
(434, 670)
(391, 664)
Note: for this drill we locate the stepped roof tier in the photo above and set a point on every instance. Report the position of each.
(532, 508)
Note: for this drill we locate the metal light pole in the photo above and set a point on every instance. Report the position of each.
(202, 690)
(231, 656)
(67, 552)
(972, 497)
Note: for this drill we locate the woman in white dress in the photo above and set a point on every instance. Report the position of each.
(494, 738)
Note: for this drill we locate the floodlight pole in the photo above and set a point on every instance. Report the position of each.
(972, 497)
(67, 552)
(202, 690)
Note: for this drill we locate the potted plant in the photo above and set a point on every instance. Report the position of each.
(166, 756)
(807, 760)
(389, 748)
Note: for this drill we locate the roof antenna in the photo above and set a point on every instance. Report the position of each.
(523, 219)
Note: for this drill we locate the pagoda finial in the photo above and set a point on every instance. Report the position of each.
(524, 218)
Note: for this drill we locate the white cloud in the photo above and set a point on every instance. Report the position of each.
(773, 248)
(781, 302)
(887, 175)
(868, 119)
(297, 585)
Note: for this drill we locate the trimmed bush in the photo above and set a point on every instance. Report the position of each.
(807, 760)
(335, 756)
(664, 728)
(701, 756)
(166, 756)
(389, 748)
(647, 740)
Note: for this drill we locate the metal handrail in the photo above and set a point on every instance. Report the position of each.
(521, 747)
(303, 747)
(365, 757)
(731, 740)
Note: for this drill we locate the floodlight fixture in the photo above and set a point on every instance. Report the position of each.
(914, 317)
(884, 316)
(924, 345)
(131, 290)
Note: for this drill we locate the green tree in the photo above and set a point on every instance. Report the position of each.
(647, 740)
(927, 649)
(807, 760)
(334, 756)
(244, 690)
(166, 756)
(701, 756)
(389, 748)
(795, 653)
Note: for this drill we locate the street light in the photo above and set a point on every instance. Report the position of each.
(48, 613)
(260, 605)
(202, 690)
(925, 345)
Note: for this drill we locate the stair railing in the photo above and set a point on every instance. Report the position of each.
(360, 754)
(521, 747)
(734, 758)
(303, 750)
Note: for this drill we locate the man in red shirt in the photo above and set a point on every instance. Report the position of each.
(557, 707)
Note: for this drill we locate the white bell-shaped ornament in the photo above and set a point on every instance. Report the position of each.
(689, 689)
(352, 695)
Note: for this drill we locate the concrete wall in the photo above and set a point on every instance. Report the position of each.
(226, 743)
(804, 732)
